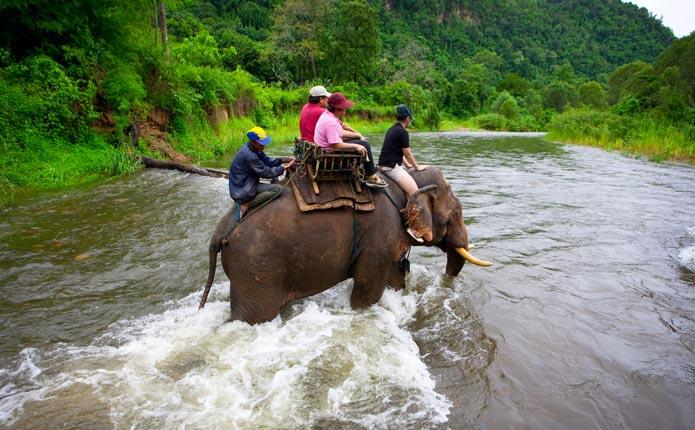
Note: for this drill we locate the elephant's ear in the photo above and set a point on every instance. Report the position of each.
(419, 211)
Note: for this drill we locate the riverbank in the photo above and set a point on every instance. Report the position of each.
(54, 165)
(644, 135)
(43, 164)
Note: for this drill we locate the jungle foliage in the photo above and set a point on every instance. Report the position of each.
(91, 79)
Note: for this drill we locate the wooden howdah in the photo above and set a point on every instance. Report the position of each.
(334, 166)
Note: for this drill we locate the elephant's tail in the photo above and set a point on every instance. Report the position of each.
(213, 249)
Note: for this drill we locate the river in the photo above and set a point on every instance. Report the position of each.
(586, 320)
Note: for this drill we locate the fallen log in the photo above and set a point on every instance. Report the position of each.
(170, 165)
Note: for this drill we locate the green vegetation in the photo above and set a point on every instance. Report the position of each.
(647, 109)
(86, 85)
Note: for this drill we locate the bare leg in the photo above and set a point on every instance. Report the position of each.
(407, 183)
(244, 208)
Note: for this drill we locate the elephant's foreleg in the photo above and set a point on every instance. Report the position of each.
(370, 282)
(365, 295)
(396, 276)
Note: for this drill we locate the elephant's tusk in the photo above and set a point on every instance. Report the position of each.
(467, 255)
(412, 234)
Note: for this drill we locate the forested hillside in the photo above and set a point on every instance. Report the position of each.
(85, 85)
(529, 36)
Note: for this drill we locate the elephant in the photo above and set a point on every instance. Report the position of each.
(280, 254)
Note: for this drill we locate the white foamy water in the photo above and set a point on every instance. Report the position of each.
(686, 258)
(318, 364)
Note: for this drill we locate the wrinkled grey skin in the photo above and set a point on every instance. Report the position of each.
(280, 254)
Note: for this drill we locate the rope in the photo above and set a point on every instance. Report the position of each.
(355, 238)
(404, 264)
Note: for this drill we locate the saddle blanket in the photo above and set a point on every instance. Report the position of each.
(332, 195)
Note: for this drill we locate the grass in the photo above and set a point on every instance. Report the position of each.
(655, 139)
(48, 164)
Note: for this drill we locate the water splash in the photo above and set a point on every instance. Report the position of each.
(321, 365)
(686, 258)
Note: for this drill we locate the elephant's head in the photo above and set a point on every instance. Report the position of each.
(434, 217)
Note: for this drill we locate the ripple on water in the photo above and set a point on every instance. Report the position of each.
(585, 321)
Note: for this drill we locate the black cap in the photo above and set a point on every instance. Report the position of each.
(403, 112)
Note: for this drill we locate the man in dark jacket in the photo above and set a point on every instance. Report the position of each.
(249, 166)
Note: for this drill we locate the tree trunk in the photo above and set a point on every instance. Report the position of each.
(313, 66)
(163, 28)
(156, 22)
(170, 165)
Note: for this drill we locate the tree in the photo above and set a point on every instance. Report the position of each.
(564, 73)
(162, 22)
(470, 91)
(592, 94)
(505, 105)
(681, 54)
(623, 81)
(201, 50)
(533, 102)
(356, 42)
(298, 34)
(558, 95)
(410, 64)
(514, 84)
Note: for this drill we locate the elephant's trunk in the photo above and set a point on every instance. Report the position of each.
(469, 257)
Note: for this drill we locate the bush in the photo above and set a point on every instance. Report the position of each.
(123, 88)
(430, 117)
(584, 122)
(395, 93)
(193, 90)
(490, 121)
(505, 105)
(627, 106)
(286, 100)
(202, 50)
(48, 99)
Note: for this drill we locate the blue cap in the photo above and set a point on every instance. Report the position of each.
(403, 112)
(259, 135)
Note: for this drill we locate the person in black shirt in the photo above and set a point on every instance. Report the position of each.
(396, 153)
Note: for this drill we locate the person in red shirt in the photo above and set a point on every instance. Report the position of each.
(309, 116)
(318, 101)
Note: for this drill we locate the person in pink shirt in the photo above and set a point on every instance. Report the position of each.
(317, 104)
(329, 135)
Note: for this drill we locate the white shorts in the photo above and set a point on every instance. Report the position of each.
(395, 173)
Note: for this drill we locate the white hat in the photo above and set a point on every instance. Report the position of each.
(319, 91)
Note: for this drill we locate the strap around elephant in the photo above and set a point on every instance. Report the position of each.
(390, 197)
(355, 240)
(250, 212)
